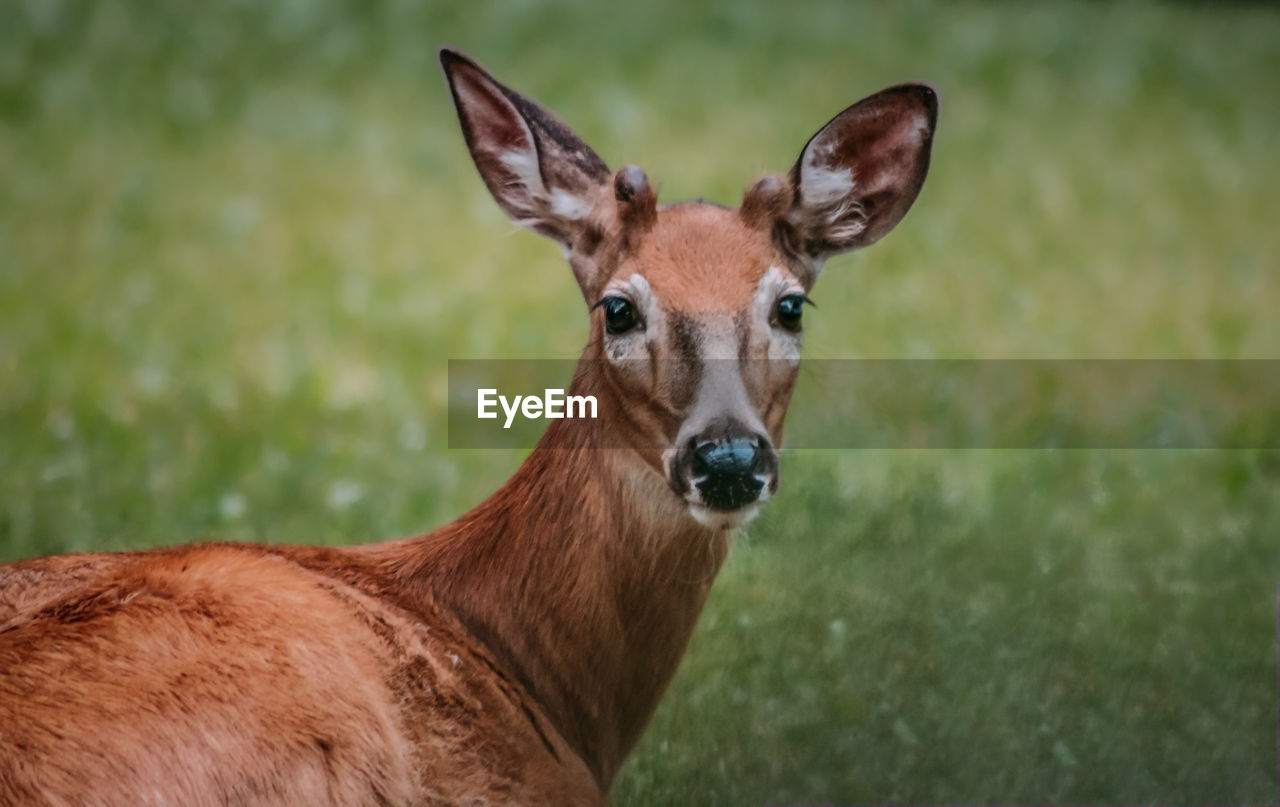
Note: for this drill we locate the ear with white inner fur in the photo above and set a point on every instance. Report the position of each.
(857, 177)
(541, 173)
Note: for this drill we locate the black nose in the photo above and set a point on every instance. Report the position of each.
(737, 456)
(726, 471)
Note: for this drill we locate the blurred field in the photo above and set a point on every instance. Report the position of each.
(239, 241)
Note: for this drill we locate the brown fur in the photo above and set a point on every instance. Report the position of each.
(702, 258)
(511, 657)
(220, 674)
(637, 201)
(766, 202)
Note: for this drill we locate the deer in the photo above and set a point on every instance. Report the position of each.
(515, 655)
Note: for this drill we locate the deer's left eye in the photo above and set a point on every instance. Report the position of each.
(790, 309)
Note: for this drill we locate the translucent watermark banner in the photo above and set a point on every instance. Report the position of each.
(877, 403)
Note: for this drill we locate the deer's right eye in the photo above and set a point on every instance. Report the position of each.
(619, 314)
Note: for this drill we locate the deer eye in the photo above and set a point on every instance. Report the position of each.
(790, 309)
(619, 314)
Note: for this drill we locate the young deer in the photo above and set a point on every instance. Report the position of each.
(515, 655)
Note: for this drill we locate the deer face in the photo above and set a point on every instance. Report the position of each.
(699, 327)
(696, 310)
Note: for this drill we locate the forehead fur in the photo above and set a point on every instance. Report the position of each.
(699, 257)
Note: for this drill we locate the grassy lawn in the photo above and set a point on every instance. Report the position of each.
(238, 245)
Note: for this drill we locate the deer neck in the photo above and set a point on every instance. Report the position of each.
(583, 575)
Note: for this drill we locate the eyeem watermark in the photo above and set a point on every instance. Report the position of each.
(553, 405)
(913, 403)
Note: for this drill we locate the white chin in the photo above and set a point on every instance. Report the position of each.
(722, 520)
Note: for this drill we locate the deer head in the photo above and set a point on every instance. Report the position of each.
(696, 309)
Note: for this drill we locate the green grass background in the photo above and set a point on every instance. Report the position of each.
(239, 241)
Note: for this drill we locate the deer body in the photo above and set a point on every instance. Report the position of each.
(515, 655)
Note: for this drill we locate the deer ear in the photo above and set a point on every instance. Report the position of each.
(857, 177)
(541, 173)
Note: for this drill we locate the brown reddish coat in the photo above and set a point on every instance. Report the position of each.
(515, 655)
